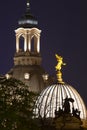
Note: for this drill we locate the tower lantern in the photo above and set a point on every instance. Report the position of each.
(27, 58)
(28, 31)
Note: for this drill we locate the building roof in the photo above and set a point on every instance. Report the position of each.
(28, 20)
(52, 98)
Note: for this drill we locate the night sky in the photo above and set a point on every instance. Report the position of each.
(64, 31)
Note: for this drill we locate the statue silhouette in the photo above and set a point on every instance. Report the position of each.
(66, 106)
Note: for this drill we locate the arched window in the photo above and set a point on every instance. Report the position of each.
(34, 44)
(21, 44)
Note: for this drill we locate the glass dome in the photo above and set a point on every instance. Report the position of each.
(52, 98)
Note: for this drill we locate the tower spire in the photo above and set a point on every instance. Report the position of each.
(28, 5)
(28, 20)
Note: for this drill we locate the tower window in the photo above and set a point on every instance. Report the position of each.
(21, 45)
(45, 77)
(8, 76)
(26, 76)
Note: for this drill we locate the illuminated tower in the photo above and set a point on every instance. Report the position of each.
(30, 34)
(27, 59)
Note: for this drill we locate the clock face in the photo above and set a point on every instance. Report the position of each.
(26, 76)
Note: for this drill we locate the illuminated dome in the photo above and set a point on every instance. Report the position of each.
(53, 97)
(60, 97)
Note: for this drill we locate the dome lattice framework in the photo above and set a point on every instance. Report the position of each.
(53, 97)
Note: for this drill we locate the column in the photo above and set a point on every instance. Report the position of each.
(17, 44)
(25, 43)
(29, 42)
(38, 44)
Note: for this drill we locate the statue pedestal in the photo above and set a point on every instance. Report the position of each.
(67, 122)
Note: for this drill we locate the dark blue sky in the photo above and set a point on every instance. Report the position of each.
(64, 31)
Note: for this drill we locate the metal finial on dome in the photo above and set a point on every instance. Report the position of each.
(59, 67)
(28, 5)
(28, 20)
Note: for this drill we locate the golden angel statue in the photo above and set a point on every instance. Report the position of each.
(60, 62)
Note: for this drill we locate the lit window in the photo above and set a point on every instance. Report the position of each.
(45, 76)
(7, 76)
(26, 76)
